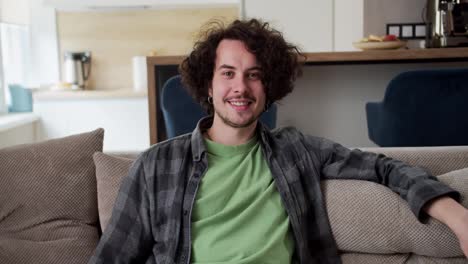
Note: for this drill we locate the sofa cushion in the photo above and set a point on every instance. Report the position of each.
(369, 218)
(48, 211)
(110, 170)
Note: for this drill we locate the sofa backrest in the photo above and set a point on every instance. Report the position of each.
(437, 160)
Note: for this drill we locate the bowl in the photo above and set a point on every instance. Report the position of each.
(379, 45)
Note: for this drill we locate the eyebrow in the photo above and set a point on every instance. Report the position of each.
(226, 66)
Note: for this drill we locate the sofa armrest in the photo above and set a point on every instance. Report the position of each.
(369, 218)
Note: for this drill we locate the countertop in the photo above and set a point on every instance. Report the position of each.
(41, 95)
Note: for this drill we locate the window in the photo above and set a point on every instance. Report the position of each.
(14, 41)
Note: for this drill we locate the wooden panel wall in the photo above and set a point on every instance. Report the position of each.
(114, 37)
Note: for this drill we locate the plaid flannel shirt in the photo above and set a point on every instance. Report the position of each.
(152, 213)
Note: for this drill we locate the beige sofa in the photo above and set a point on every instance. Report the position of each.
(57, 195)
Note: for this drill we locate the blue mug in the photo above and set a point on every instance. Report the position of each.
(21, 99)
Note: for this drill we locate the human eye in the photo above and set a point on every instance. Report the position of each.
(254, 75)
(228, 74)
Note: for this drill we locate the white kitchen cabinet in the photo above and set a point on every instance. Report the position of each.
(314, 25)
(125, 120)
(15, 11)
(130, 4)
(307, 23)
(348, 24)
(17, 128)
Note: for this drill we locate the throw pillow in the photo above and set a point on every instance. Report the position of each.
(110, 171)
(48, 210)
(369, 218)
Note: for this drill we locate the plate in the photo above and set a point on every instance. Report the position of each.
(379, 45)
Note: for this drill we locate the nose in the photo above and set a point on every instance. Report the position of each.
(240, 85)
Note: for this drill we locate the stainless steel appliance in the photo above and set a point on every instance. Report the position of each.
(446, 23)
(77, 67)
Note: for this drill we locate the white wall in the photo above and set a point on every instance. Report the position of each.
(348, 24)
(378, 13)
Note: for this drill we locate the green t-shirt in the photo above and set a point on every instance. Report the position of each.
(238, 216)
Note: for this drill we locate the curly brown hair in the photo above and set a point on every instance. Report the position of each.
(278, 59)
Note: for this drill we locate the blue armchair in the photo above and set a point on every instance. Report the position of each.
(181, 113)
(422, 108)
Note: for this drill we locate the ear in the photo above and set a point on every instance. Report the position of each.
(210, 91)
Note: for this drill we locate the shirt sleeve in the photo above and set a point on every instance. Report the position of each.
(413, 184)
(128, 236)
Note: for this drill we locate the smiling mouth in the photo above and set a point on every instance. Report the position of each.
(237, 103)
(240, 104)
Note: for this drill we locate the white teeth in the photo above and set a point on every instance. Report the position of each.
(239, 103)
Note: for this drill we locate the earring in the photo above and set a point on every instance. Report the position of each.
(210, 100)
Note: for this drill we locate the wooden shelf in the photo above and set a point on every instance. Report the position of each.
(387, 56)
(358, 57)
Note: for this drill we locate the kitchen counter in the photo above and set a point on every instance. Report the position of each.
(40, 95)
(13, 120)
(161, 68)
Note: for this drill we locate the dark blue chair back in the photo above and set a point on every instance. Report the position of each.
(181, 113)
(422, 108)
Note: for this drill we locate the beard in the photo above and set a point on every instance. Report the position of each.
(226, 120)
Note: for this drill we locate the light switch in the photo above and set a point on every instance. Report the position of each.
(407, 31)
(420, 31)
(394, 30)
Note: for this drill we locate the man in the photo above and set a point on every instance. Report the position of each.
(233, 191)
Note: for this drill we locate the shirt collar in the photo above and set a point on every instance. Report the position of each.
(198, 144)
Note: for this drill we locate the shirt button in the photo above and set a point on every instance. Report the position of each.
(196, 175)
(185, 212)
